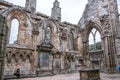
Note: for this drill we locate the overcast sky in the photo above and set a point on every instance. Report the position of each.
(118, 5)
(71, 10)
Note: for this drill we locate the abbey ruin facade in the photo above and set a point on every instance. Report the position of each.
(47, 46)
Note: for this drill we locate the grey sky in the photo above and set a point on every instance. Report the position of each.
(71, 9)
(118, 5)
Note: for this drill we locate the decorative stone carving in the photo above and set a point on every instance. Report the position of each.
(64, 34)
(36, 24)
(105, 23)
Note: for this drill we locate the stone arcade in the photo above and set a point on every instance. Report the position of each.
(47, 46)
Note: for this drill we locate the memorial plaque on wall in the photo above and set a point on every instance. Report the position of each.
(57, 64)
(44, 59)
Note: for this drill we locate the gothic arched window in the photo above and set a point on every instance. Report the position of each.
(14, 31)
(48, 33)
(72, 41)
(94, 40)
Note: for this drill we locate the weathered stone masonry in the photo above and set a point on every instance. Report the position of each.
(46, 46)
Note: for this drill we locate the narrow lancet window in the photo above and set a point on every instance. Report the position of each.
(48, 33)
(72, 41)
(14, 31)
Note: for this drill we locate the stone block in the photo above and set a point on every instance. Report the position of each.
(89, 74)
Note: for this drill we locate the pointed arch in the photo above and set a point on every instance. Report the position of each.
(96, 28)
(94, 40)
(89, 26)
(13, 14)
(24, 23)
(53, 30)
(52, 25)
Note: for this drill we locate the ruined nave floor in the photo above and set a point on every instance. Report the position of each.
(74, 76)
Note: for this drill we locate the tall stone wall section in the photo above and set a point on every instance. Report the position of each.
(24, 53)
(102, 15)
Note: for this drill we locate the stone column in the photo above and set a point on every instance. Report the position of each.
(35, 33)
(85, 53)
(109, 54)
(3, 41)
(64, 44)
(109, 45)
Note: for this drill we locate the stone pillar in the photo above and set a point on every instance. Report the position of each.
(115, 23)
(109, 54)
(30, 6)
(3, 41)
(85, 54)
(109, 45)
(35, 33)
(34, 65)
(56, 11)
